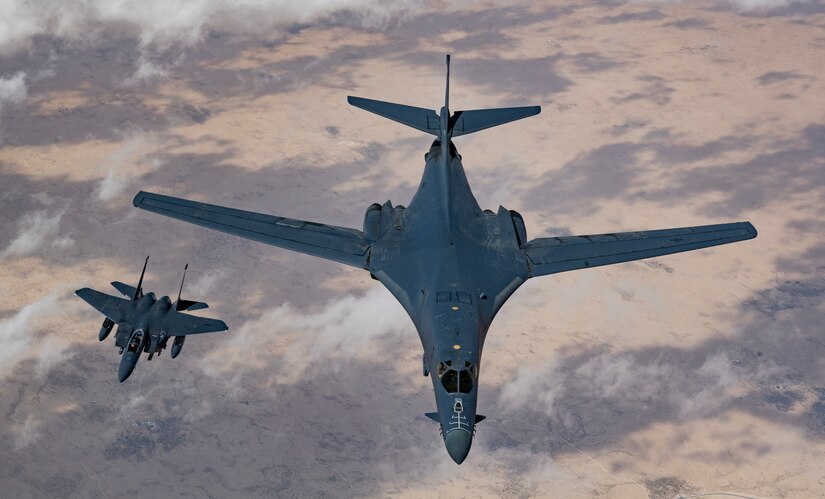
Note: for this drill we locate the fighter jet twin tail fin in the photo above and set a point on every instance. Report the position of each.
(135, 293)
(459, 123)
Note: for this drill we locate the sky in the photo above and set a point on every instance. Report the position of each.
(690, 374)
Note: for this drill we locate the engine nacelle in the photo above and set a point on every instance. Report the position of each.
(105, 329)
(372, 221)
(518, 224)
(177, 345)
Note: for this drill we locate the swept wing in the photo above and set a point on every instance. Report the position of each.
(339, 244)
(180, 324)
(549, 255)
(119, 310)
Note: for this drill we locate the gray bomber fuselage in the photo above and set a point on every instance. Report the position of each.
(452, 266)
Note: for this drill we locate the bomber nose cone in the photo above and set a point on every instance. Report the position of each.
(458, 444)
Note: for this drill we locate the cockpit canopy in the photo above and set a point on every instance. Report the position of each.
(134, 343)
(459, 378)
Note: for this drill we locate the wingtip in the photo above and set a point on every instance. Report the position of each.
(138, 198)
(751, 229)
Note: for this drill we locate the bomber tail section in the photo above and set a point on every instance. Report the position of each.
(444, 125)
(465, 122)
(416, 117)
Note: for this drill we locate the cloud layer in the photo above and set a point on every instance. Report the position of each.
(163, 24)
(37, 230)
(20, 342)
(287, 341)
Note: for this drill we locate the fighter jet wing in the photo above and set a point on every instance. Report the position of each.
(339, 244)
(549, 255)
(180, 324)
(117, 309)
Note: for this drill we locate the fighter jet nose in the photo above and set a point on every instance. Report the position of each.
(458, 444)
(127, 365)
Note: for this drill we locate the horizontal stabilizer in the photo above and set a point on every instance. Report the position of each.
(464, 122)
(190, 305)
(422, 119)
(125, 289)
(480, 418)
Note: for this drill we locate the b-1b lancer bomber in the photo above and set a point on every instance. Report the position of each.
(451, 264)
(145, 323)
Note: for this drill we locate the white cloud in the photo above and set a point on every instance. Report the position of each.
(757, 5)
(19, 342)
(531, 386)
(37, 230)
(12, 89)
(146, 71)
(201, 286)
(27, 433)
(673, 383)
(744, 5)
(286, 341)
(51, 351)
(127, 164)
(163, 24)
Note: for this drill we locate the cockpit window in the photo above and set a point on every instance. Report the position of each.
(455, 381)
(450, 381)
(442, 296)
(464, 297)
(133, 345)
(466, 382)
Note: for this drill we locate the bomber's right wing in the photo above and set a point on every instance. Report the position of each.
(116, 309)
(339, 244)
(549, 255)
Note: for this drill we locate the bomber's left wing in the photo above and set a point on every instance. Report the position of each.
(339, 244)
(180, 324)
(549, 255)
(116, 309)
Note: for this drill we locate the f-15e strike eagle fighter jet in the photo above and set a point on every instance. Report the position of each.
(451, 264)
(144, 323)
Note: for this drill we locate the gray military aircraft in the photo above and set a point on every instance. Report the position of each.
(144, 323)
(451, 264)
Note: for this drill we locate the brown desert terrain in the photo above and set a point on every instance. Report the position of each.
(697, 373)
